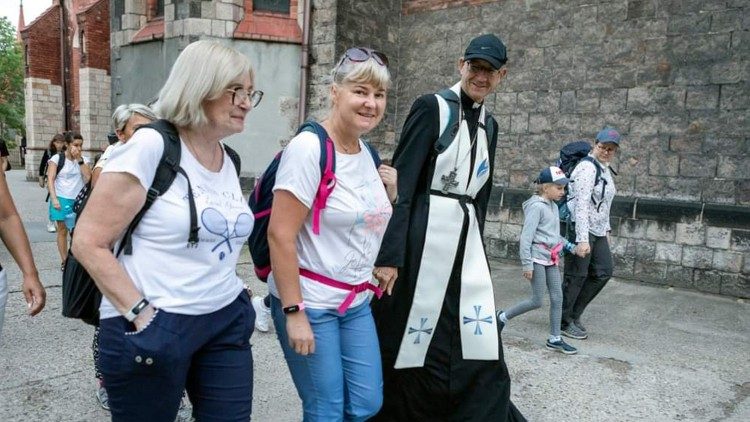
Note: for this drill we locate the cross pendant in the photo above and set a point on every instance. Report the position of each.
(449, 181)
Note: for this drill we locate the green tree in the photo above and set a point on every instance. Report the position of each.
(11, 80)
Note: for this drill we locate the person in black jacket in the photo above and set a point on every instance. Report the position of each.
(439, 339)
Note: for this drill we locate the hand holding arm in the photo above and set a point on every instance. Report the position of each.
(389, 176)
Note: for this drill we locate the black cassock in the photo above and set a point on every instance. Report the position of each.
(447, 387)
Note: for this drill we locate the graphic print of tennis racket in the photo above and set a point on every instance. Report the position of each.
(217, 224)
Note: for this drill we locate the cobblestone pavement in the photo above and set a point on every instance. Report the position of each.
(653, 354)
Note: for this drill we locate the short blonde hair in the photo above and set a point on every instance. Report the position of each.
(366, 72)
(203, 71)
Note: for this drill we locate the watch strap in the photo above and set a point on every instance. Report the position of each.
(136, 309)
(294, 308)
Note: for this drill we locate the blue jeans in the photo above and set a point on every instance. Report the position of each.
(343, 379)
(207, 355)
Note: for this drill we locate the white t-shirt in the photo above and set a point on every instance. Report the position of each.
(352, 224)
(69, 180)
(170, 274)
(106, 154)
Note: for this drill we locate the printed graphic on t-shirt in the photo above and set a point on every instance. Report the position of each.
(368, 226)
(216, 223)
(225, 222)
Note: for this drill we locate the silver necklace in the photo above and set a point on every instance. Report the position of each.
(449, 180)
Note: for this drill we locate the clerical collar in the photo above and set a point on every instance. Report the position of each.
(467, 102)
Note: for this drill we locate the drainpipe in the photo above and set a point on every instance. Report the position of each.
(304, 61)
(65, 65)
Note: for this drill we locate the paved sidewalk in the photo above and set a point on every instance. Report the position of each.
(653, 354)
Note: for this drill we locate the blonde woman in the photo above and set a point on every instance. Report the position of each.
(175, 315)
(321, 279)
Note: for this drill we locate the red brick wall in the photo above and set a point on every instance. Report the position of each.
(270, 26)
(41, 40)
(415, 6)
(94, 23)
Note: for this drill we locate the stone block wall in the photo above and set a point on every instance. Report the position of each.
(43, 102)
(694, 246)
(96, 115)
(339, 25)
(672, 75)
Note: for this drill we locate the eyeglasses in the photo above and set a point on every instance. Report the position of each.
(609, 150)
(362, 54)
(477, 69)
(240, 95)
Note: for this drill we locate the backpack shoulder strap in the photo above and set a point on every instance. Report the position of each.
(490, 127)
(236, 160)
(448, 105)
(166, 171)
(374, 153)
(60, 161)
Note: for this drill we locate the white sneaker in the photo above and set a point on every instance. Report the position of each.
(262, 315)
(51, 227)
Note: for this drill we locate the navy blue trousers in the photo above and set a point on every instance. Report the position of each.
(207, 355)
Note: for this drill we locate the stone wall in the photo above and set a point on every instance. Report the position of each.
(43, 102)
(672, 75)
(96, 114)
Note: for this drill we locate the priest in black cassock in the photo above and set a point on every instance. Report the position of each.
(439, 339)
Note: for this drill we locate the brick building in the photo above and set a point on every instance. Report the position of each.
(67, 84)
(673, 76)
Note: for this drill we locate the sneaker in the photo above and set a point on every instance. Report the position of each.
(562, 346)
(500, 322)
(51, 227)
(580, 326)
(102, 398)
(573, 331)
(185, 412)
(262, 315)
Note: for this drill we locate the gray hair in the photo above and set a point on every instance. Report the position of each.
(203, 71)
(124, 112)
(366, 72)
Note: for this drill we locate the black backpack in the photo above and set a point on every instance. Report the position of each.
(571, 155)
(81, 297)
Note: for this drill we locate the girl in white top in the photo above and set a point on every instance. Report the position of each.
(64, 184)
(175, 315)
(321, 282)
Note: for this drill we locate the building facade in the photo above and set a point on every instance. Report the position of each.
(67, 83)
(148, 35)
(672, 76)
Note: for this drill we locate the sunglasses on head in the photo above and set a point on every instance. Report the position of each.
(362, 54)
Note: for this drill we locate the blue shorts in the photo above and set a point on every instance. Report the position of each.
(66, 207)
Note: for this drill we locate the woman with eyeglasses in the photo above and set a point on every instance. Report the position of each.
(320, 279)
(592, 192)
(175, 315)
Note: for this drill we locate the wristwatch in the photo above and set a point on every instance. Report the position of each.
(294, 308)
(136, 309)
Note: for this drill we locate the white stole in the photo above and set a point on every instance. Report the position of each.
(479, 340)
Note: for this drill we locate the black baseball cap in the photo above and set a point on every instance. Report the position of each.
(487, 47)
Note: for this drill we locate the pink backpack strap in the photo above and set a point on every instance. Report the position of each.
(327, 183)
